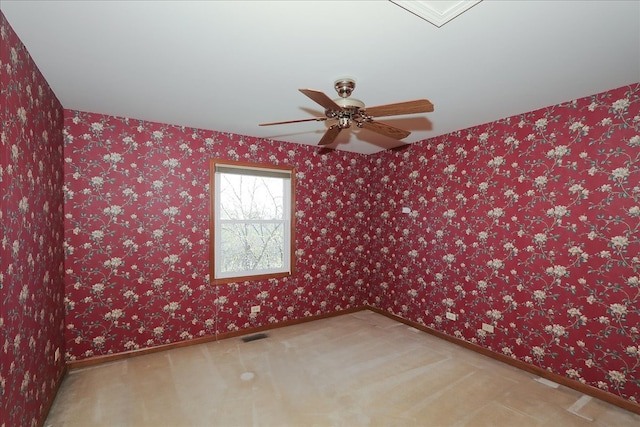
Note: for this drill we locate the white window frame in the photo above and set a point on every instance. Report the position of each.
(219, 167)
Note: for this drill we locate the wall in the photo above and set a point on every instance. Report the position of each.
(31, 254)
(530, 224)
(136, 238)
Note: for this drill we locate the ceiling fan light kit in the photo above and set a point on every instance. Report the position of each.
(350, 111)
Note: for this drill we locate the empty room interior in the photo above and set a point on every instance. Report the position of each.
(320, 213)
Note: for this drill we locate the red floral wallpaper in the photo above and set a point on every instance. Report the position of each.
(530, 224)
(137, 245)
(31, 254)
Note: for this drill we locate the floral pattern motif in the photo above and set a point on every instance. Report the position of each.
(137, 227)
(530, 224)
(31, 247)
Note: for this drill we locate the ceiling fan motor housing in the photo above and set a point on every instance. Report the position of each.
(349, 103)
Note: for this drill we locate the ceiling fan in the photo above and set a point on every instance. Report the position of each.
(350, 111)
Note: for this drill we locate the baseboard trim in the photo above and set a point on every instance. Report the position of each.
(97, 360)
(576, 385)
(543, 373)
(52, 396)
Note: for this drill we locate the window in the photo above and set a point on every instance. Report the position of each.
(252, 224)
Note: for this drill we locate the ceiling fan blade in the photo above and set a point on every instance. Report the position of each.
(408, 107)
(330, 135)
(322, 99)
(318, 119)
(385, 129)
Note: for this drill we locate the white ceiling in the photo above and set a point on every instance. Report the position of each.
(229, 65)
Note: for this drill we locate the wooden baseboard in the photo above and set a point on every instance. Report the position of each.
(576, 385)
(52, 397)
(76, 364)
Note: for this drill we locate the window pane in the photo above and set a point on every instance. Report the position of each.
(247, 247)
(246, 197)
(252, 221)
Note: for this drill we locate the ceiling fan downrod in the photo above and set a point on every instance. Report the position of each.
(344, 87)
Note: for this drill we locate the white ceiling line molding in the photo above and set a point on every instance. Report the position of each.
(437, 12)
